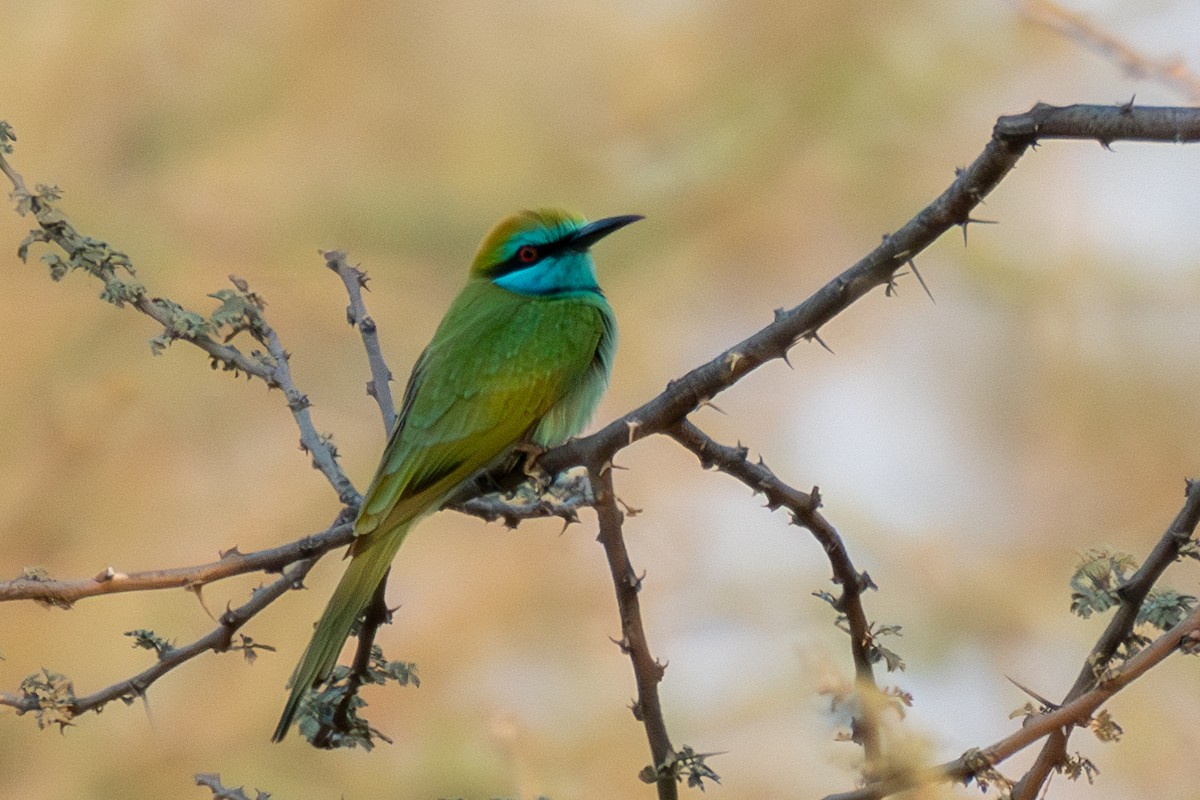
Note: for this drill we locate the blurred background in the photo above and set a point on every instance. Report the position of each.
(968, 450)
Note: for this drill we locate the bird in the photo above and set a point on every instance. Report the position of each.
(520, 360)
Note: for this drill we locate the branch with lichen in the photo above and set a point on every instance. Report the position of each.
(239, 311)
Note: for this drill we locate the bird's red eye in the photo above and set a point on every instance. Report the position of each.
(527, 254)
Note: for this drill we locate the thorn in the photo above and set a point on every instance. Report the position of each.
(865, 582)
(813, 336)
(1047, 705)
(635, 581)
(198, 590)
(1106, 144)
(633, 426)
(712, 405)
(630, 511)
(230, 553)
(780, 314)
(621, 643)
(1127, 108)
(732, 358)
(786, 360)
(107, 575)
(969, 220)
(913, 266)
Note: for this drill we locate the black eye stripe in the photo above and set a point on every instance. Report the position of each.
(514, 262)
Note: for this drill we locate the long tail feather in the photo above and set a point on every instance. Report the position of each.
(358, 584)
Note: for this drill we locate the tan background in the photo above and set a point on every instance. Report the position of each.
(967, 450)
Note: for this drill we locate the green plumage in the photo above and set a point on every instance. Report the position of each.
(506, 365)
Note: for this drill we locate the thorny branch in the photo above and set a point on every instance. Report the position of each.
(803, 508)
(355, 281)
(1132, 595)
(667, 413)
(1011, 137)
(232, 562)
(647, 671)
(219, 639)
(1185, 636)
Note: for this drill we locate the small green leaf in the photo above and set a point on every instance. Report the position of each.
(150, 640)
(35, 236)
(1165, 608)
(48, 192)
(58, 267)
(7, 137)
(330, 717)
(1077, 767)
(55, 697)
(684, 763)
(120, 292)
(1096, 580)
(1105, 727)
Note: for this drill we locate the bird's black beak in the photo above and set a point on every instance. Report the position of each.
(593, 232)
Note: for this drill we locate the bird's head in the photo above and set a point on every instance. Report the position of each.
(544, 252)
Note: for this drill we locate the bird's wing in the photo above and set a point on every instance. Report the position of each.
(496, 365)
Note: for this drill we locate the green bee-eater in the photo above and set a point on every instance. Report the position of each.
(522, 356)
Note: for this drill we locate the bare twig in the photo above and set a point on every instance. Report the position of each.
(232, 562)
(355, 280)
(324, 454)
(220, 640)
(1171, 72)
(647, 671)
(803, 507)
